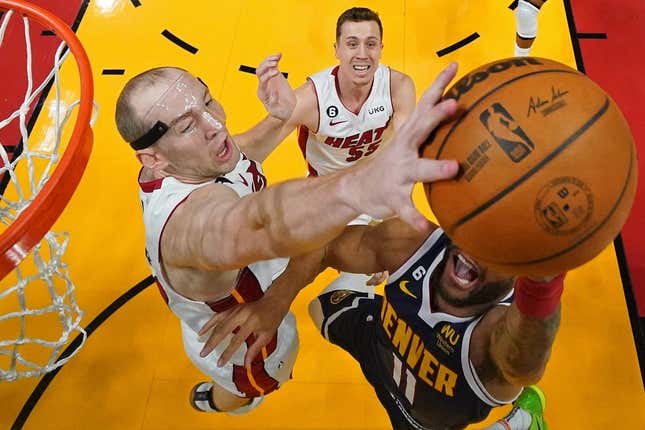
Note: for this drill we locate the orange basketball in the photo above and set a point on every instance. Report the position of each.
(548, 167)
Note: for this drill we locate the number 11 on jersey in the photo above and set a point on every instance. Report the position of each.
(410, 380)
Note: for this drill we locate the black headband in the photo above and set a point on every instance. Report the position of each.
(153, 135)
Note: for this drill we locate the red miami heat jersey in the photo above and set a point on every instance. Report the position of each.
(344, 137)
(159, 199)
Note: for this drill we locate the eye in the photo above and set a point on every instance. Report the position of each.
(186, 126)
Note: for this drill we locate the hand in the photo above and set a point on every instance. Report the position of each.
(382, 187)
(377, 278)
(274, 91)
(258, 320)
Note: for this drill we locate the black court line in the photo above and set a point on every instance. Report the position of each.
(463, 42)
(251, 70)
(113, 71)
(44, 382)
(591, 35)
(177, 41)
(136, 3)
(637, 323)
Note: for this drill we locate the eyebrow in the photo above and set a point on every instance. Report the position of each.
(188, 112)
(357, 38)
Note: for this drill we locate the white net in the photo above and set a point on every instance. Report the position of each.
(38, 310)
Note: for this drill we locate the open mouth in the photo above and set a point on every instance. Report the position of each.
(359, 68)
(224, 152)
(465, 272)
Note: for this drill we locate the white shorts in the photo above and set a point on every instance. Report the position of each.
(264, 375)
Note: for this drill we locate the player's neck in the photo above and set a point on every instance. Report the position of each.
(353, 95)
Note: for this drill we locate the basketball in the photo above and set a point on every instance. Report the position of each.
(548, 167)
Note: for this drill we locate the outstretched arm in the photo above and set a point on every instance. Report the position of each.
(359, 248)
(301, 215)
(511, 346)
(368, 249)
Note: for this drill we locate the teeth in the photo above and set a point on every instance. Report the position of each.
(462, 282)
(465, 262)
(465, 272)
(361, 68)
(222, 151)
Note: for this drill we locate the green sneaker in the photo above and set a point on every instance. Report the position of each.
(532, 401)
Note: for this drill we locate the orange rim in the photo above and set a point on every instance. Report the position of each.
(36, 220)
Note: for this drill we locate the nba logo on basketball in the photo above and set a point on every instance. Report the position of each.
(506, 132)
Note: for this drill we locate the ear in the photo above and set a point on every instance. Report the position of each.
(152, 159)
(336, 50)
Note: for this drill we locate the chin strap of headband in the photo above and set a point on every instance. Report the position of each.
(153, 135)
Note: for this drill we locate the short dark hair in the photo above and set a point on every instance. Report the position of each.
(128, 120)
(358, 14)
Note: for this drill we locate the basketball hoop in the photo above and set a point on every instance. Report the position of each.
(38, 178)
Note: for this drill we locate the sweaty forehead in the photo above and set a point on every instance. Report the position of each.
(171, 97)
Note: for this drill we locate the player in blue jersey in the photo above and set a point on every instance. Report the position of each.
(450, 339)
(447, 342)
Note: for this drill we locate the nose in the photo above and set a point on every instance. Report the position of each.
(212, 124)
(362, 50)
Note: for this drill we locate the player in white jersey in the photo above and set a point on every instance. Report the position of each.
(209, 217)
(347, 112)
(160, 198)
(343, 137)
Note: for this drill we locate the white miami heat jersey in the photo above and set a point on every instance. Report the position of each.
(159, 199)
(343, 137)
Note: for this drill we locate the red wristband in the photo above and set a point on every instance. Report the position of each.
(538, 299)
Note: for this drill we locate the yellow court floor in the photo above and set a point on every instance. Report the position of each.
(132, 372)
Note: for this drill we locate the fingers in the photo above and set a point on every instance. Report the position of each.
(233, 346)
(425, 119)
(430, 111)
(377, 278)
(267, 70)
(433, 94)
(270, 62)
(429, 170)
(220, 331)
(255, 348)
(219, 317)
(409, 214)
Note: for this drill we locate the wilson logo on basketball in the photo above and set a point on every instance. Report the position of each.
(507, 133)
(469, 81)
